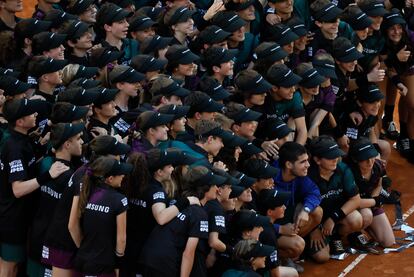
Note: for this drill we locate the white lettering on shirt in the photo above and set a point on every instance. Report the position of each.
(158, 195)
(51, 192)
(138, 202)
(124, 201)
(181, 216)
(220, 221)
(16, 166)
(273, 256)
(45, 252)
(204, 226)
(98, 208)
(331, 193)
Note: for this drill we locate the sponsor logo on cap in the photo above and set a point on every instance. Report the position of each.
(349, 49)
(274, 48)
(232, 18)
(259, 80)
(365, 147)
(329, 7)
(313, 73)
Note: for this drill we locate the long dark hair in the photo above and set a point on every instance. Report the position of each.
(94, 175)
(136, 183)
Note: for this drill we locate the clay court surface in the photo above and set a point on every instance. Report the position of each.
(393, 264)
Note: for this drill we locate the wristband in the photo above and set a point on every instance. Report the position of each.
(44, 178)
(378, 201)
(118, 261)
(182, 203)
(229, 250)
(337, 215)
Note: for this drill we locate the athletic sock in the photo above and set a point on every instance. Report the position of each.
(388, 114)
(403, 130)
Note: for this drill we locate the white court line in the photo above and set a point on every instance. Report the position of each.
(358, 259)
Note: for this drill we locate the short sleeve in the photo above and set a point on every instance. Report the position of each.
(198, 223)
(121, 204)
(16, 164)
(157, 195)
(216, 219)
(350, 187)
(297, 106)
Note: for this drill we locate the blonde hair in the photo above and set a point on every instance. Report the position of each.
(69, 72)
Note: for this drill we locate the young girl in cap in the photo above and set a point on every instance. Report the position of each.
(103, 212)
(66, 141)
(58, 241)
(249, 256)
(179, 246)
(369, 172)
(153, 199)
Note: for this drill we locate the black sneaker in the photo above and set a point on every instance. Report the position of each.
(361, 243)
(392, 197)
(391, 131)
(337, 247)
(403, 146)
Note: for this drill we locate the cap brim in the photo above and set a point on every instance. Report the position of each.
(293, 80)
(180, 92)
(262, 251)
(262, 87)
(146, 24)
(353, 56)
(269, 172)
(247, 181)
(107, 97)
(365, 155)
(333, 13)
(394, 21)
(181, 111)
(35, 106)
(23, 87)
(88, 73)
(377, 12)
(212, 106)
(223, 35)
(333, 154)
(362, 24)
(282, 198)
(217, 180)
(158, 64)
(121, 15)
(288, 38)
(119, 149)
(280, 133)
(300, 31)
(220, 94)
(330, 73)
(235, 25)
(83, 28)
(58, 40)
(42, 26)
(80, 112)
(164, 119)
(188, 58)
(252, 116)
(313, 82)
(56, 65)
(76, 129)
(124, 169)
(250, 149)
(262, 221)
(234, 141)
(236, 191)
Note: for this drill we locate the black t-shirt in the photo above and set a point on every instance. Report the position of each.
(93, 122)
(140, 221)
(165, 246)
(78, 60)
(96, 253)
(269, 237)
(216, 216)
(17, 162)
(122, 127)
(58, 235)
(50, 195)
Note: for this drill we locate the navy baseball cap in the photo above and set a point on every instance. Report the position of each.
(61, 132)
(124, 73)
(86, 72)
(297, 25)
(58, 17)
(177, 15)
(157, 158)
(346, 52)
(229, 21)
(254, 84)
(18, 108)
(180, 54)
(216, 55)
(240, 5)
(27, 28)
(204, 177)
(104, 55)
(325, 147)
(139, 23)
(110, 13)
(45, 41)
(325, 67)
(213, 88)
(105, 95)
(177, 111)
(282, 76)
(236, 191)
(109, 145)
(269, 51)
(79, 96)
(261, 250)
(80, 6)
(168, 87)
(213, 34)
(282, 34)
(249, 149)
(311, 78)
(243, 114)
(374, 8)
(155, 43)
(151, 119)
(47, 65)
(13, 86)
(247, 220)
(392, 18)
(245, 181)
(272, 198)
(204, 104)
(84, 83)
(358, 21)
(260, 169)
(328, 13)
(370, 94)
(274, 128)
(362, 150)
(64, 112)
(147, 63)
(75, 29)
(119, 168)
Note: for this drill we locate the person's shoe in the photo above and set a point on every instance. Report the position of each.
(391, 131)
(360, 242)
(403, 146)
(290, 263)
(337, 247)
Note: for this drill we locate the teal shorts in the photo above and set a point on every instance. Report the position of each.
(12, 252)
(35, 269)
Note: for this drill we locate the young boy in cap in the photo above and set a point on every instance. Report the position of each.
(179, 20)
(303, 212)
(103, 110)
(283, 102)
(8, 10)
(19, 181)
(272, 204)
(86, 10)
(66, 143)
(202, 108)
(49, 44)
(218, 63)
(165, 91)
(141, 27)
(127, 81)
(317, 105)
(112, 29)
(340, 195)
(211, 36)
(230, 22)
(78, 40)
